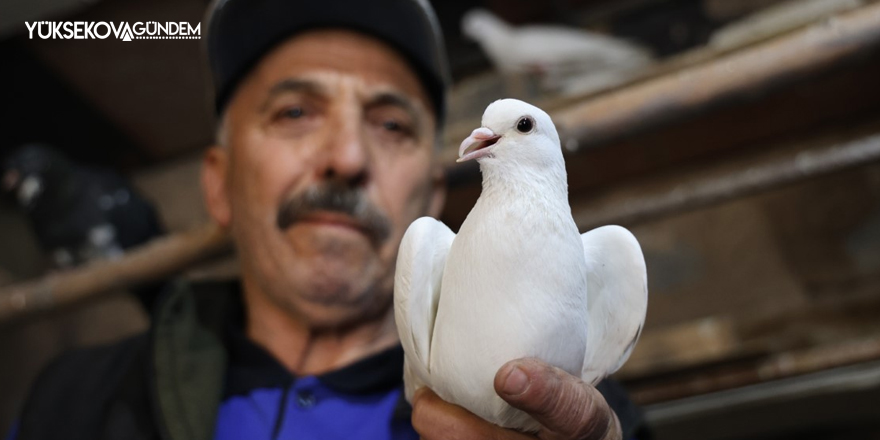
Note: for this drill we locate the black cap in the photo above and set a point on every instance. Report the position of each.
(240, 32)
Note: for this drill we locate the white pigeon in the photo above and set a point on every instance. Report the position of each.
(518, 280)
(567, 59)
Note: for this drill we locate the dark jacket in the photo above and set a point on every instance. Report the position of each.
(168, 383)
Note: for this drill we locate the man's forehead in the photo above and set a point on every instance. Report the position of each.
(330, 59)
(330, 83)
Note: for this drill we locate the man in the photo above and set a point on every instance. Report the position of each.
(329, 113)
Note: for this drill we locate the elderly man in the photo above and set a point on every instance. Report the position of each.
(329, 114)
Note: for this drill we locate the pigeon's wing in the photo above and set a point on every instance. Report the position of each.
(617, 298)
(420, 264)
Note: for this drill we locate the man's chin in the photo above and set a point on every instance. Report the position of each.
(335, 261)
(319, 316)
(334, 295)
(338, 270)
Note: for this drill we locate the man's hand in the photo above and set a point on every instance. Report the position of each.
(565, 406)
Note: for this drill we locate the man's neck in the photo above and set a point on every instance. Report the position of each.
(304, 350)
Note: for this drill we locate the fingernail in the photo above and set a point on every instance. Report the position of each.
(517, 382)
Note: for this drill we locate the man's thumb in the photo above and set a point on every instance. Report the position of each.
(562, 403)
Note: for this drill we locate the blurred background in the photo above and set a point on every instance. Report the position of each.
(738, 139)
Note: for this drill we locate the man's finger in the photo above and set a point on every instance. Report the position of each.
(433, 418)
(565, 405)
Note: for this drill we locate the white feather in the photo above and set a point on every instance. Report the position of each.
(417, 277)
(617, 292)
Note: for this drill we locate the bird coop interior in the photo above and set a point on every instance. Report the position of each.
(739, 140)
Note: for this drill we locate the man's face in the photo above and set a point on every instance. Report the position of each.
(327, 157)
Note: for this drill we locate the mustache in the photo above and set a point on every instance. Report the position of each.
(340, 198)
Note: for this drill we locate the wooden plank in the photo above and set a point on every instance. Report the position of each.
(727, 79)
(692, 343)
(836, 403)
(674, 364)
(856, 376)
(688, 194)
(778, 366)
(161, 258)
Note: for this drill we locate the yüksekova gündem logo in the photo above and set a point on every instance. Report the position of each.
(100, 30)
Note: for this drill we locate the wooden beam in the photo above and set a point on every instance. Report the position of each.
(686, 195)
(161, 258)
(816, 405)
(777, 366)
(735, 77)
(684, 345)
(719, 353)
(856, 376)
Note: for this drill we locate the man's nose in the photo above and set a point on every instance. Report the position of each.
(347, 155)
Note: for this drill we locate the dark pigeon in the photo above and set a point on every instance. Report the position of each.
(78, 213)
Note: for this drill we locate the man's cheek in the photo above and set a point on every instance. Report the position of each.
(419, 199)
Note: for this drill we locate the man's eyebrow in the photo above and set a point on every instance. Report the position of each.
(292, 85)
(398, 100)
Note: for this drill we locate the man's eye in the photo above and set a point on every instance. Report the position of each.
(392, 126)
(293, 112)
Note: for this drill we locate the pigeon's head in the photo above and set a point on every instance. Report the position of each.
(477, 24)
(29, 169)
(514, 133)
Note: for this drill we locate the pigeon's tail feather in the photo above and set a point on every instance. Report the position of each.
(420, 264)
(617, 299)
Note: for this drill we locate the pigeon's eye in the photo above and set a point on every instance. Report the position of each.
(525, 124)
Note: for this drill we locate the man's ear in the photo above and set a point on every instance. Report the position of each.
(215, 169)
(438, 190)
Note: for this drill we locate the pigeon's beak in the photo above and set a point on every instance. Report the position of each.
(477, 144)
